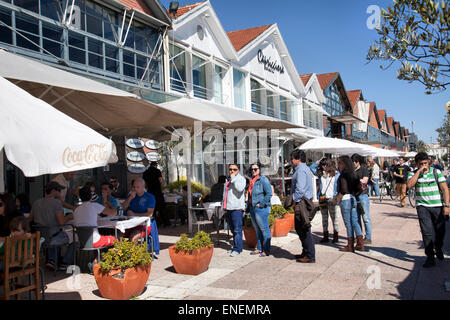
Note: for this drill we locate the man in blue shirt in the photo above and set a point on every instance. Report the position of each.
(142, 204)
(302, 186)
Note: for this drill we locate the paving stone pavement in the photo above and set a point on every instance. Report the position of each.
(390, 269)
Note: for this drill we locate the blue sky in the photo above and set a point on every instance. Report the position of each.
(326, 36)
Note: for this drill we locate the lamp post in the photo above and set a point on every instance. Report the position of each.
(447, 108)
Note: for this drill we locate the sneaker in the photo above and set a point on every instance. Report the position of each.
(429, 263)
(255, 252)
(234, 254)
(263, 254)
(62, 267)
(50, 265)
(229, 251)
(367, 241)
(439, 254)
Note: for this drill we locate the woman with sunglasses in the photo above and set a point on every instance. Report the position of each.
(259, 196)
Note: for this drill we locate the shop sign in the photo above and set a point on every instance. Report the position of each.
(153, 145)
(269, 65)
(135, 156)
(135, 143)
(94, 153)
(137, 168)
(153, 156)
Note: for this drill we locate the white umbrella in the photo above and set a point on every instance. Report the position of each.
(410, 154)
(334, 146)
(378, 152)
(39, 139)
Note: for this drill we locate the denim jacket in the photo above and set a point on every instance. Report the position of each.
(236, 194)
(262, 192)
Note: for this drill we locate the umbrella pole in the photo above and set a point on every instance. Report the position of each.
(2, 180)
(189, 194)
(282, 170)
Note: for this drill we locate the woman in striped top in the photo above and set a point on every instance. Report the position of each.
(432, 207)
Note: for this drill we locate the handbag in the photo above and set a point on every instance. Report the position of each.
(323, 201)
(359, 207)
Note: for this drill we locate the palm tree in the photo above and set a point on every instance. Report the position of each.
(421, 146)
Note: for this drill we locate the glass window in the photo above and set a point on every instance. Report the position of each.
(29, 27)
(6, 34)
(177, 68)
(32, 5)
(128, 64)
(256, 89)
(52, 9)
(270, 104)
(239, 89)
(284, 108)
(219, 74)
(52, 39)
(110, 26)
(95, 53)
(77, 48)
(129, 42)
(199, 77)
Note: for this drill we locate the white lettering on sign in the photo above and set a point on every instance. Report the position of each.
(94, 153)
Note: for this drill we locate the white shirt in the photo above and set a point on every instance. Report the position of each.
(275, 200)
(86, 216)
(62, 181)
(375, 171)
(329, 189)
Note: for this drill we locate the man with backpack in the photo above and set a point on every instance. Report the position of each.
(432, 204)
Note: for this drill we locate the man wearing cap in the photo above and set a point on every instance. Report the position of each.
(48, 212)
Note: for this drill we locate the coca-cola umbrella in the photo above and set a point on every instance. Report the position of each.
(39, 139)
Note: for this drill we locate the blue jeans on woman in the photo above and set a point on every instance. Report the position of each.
(260, 220)
(234, 219)
(350, 216)
(365, 202)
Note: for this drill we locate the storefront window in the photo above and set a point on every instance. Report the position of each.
(199, 77)
(77, 48)
(219, 74)
(52, 9)
(31, 5)
(177, 69)
(256, 89)
(284, 108)
(5, 33)
(52, 39)
(270, 104)
(239, 89)
(29, 27)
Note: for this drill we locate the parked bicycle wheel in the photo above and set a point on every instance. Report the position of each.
(412, 197)
(392, 193)
(382, 191)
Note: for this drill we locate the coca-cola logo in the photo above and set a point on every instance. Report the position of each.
(94, 153)
(269, 65)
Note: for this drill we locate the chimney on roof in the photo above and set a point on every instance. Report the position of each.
(173, 8)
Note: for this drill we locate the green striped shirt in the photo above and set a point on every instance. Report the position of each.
(427, 190)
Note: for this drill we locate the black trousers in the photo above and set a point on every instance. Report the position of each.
(306, 239)
(431, 219)
(160, 207)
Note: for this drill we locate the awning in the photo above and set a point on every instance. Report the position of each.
(347, 119)
(101, 107)
(224, 116)
(274, 89)
(378, 152)
(39, 139)
(334, 146)
(316, 107)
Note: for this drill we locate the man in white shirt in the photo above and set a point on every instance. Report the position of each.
(86, 216)
(64, 180)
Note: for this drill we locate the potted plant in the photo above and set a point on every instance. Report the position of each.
(123, 270)
(192, 256)
(282, 226)
(290, 216)
(250, 233)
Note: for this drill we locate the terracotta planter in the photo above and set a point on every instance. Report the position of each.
(194, 262)
(250, 237)
(130, 286)
(290, 217)
(281, 227)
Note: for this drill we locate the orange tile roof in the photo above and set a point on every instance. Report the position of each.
(390, 126)
(138, 5)
(381, 114)
(325, 79)
(353, 96)
(241, 38)
(183, 10)
(305, 78)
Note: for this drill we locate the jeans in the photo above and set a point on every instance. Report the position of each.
(431, 219)
(260, 220)
(53, 253)
(350, 216)
(375, 187)
(234, 219)
(365, 202)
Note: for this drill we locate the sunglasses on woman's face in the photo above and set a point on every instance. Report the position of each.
(255, 169)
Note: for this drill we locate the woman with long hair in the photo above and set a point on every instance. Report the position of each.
(8, 211)
(346, 187)
(328, 188)
(259, 196)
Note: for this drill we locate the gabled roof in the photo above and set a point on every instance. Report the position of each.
(183, 10)
(381, 114)
(390, 126)
(326, 78)
(353, 96)
(138, 5)
(305, 78)
(241, 38)
(373, 111)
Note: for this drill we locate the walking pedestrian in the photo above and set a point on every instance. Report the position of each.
(362, 195)
(259, 196)
(401, 177)
(328, 191)
(431, 206)
(374, 177)
(234, 206)
(347, 187)
(302, 193)
(154, 181)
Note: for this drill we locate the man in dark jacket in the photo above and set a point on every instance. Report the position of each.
(154, 181)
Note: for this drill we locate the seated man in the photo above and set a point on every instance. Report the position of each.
(118, 191)
(142, 204)
(87, 213)
(48, 212)
(106, 195)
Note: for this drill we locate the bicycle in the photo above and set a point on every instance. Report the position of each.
(387, 189)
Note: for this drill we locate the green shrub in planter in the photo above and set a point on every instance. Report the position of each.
(200, 240)
(125, 254)
(278, 211)
(196, 187)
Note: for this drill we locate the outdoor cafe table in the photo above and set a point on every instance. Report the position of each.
(122, 223)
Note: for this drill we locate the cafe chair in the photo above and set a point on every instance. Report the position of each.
(85, 242)
(20, 259)
(45, 234)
